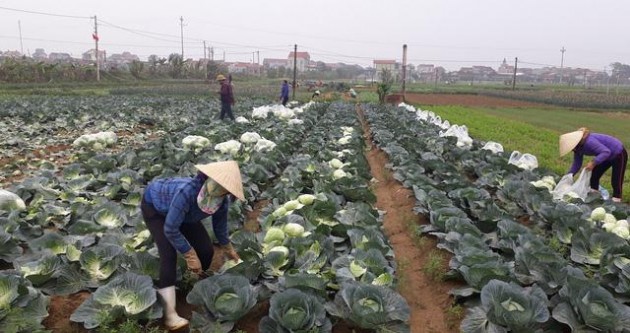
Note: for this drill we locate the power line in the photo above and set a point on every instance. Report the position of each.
(44, 13)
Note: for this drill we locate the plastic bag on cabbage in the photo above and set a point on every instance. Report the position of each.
(493, 147)
(461, 133)
(523, 161)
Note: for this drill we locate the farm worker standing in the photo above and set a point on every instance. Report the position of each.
(609, 153)
(284, 93)
(172, 209)
(227, 97)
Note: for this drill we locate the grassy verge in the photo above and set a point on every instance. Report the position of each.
(536, 131)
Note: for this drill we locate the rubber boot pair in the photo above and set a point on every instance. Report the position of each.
(172, 320)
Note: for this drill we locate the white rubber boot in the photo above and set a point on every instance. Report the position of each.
(172, 320)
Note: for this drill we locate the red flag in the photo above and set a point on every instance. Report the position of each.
(95, 37)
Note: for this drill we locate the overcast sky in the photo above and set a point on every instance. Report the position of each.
(450, 33)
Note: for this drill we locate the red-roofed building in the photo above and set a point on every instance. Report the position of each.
(302, 60)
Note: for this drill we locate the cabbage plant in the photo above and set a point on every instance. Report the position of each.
(128, 295)
(371, 306)
(508, 307)
(584, 305)
(224, 299)
(22, 307)
(295, 311)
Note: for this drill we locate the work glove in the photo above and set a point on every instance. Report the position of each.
(230, 252)
(192, 262)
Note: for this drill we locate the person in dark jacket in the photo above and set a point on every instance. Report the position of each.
(227, 97)
(609, 153)
(284, 93)
(172, 209)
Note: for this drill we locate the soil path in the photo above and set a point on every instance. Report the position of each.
(467, 100)
(428, 300)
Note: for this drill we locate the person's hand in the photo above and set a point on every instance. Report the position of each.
(590, 166)
(192, 262)
(230, 252)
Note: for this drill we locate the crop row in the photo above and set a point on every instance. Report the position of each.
(530, 263)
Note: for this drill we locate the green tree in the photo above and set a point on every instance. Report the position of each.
(176, 62)
(135, 68)
(385, 86)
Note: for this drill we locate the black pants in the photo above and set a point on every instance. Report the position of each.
(285, 100)
(226, 109)
(618, 170)
(195, 233)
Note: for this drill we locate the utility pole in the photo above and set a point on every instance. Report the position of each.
(562, 50)
(181, 25)
(404, 71)
(514, 77)
(21, 44)
(212, 53)
(607, 81)
(258, 57)
(96, 53)
(436, 77)
(294, 69)
(585, 79)
(204, 50)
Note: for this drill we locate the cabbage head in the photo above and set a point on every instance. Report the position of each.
(295, 311)
(224, 300)
(371, 307)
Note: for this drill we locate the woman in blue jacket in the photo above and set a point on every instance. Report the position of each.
(173, 208)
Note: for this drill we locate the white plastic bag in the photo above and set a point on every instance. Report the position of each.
(493, 147)
(582, 185)
(523, 161)
(577, 189)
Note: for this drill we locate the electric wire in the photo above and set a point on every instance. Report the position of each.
(47, 14)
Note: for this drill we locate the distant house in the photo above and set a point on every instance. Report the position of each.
(505, 68)
(60, 57)
(90, 55)
(391, 65)
(244, 68)
(123, 58)
(11, 54)
(302, 60)
(270, 63)
(40, 55)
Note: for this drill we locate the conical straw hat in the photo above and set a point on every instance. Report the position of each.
(568, 141)
(226, 174)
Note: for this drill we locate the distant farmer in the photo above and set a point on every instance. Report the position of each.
(609, 153)
(227, 97)
(172, 209)
(284, 93)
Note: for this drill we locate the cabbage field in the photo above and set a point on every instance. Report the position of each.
(315, 255)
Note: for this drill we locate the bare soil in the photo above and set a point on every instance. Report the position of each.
(428, 299)
(467, 100)
(60, 310)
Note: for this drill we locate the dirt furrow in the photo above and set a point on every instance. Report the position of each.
(416, 256)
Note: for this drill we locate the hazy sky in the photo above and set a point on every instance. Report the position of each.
(450, 33)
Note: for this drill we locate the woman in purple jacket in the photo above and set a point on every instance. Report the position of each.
(609, 153)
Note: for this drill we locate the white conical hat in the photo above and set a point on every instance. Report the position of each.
(568, 141)
(226, 174)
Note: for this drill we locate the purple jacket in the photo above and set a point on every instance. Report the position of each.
(227, 96)
(603, 147)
